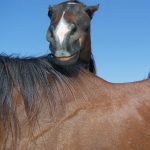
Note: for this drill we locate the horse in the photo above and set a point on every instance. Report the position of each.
(57, 102)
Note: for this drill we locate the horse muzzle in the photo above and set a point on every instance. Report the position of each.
(64, 58)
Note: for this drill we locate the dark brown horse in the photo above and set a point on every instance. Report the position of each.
(56, 103)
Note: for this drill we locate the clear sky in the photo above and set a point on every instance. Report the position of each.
(120, 34)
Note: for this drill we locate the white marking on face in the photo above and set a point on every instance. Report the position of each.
(62, 29)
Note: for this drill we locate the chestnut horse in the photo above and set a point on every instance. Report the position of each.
(56, 102)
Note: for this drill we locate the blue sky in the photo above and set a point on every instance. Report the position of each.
(120, 34)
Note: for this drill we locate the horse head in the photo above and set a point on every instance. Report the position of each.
(69, 34)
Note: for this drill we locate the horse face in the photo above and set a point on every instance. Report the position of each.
(69, 31)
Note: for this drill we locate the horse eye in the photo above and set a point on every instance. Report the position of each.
(74, 29)
(51, 31)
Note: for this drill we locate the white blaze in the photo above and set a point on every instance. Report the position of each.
(62, 29)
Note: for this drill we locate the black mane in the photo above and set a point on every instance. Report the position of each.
(27, 76)
(22, 71)
(24, 74)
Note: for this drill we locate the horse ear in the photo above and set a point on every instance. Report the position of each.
(91, 9)
(50, 11)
